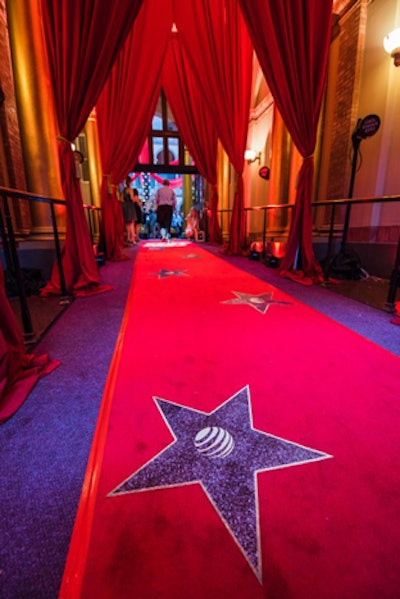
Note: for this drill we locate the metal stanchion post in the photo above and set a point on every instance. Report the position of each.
(394, 282)
(330, 243)
(25, 313)
(64, 299)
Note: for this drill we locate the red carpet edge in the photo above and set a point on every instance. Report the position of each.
(71, 585)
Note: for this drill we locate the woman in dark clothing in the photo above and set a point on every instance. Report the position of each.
(138, 209)
(129, 212)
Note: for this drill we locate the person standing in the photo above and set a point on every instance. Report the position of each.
(192, 225)
(138, 209)
(165, 204)
(128, 210)
(150, 218)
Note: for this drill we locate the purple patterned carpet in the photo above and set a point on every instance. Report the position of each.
(45, 446)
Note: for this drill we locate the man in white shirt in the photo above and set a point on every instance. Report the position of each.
(165, 201)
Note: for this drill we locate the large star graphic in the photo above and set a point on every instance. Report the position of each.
(224, 453)
(260, 302)
(163, 273)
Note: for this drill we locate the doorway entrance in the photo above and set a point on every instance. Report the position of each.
(165, 156)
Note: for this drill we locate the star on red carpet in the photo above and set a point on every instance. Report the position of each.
(163, 273)
(260, 302)
(224, 453)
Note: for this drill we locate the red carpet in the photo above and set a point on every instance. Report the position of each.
(247, 447)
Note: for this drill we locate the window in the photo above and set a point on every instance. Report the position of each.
(164, 150)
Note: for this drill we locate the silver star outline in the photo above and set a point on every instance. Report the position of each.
(260, 302)
(251, 452)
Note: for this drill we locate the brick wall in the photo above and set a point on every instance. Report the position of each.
(12, 171)
(10, 132)
(346, 94)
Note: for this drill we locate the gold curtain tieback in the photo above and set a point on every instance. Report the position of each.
(61, 138)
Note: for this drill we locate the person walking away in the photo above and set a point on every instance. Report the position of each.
(165, 201)
(129, 213)
(138, 209)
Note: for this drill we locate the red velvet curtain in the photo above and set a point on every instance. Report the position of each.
(224, 72)
(126, 106)
(291, 40)
(19, 371)
(194, 122)
(83, 40)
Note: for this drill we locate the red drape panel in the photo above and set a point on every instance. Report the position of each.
(214, 229)
(112, 222)
(126, 106)
(194, 122)
(83, 40)
(291, 40)
(19, 371)
(80, 268)
(224, 73)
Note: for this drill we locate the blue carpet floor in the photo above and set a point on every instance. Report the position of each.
(45, 445)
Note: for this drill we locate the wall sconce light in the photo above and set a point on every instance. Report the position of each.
(391, 44)
(251, 156)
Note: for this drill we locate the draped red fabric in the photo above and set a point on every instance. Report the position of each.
(83, 40)
(214, 229)
(189, 110)
(126, 106)
(80, 268)
(224, 73)
(291, 40)
(173, 183)
(19, 371)
(112, 222)
(193, 119)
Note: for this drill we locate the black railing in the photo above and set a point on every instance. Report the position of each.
(11, 253)
(93, 216)
(335, 230)
(10, 243)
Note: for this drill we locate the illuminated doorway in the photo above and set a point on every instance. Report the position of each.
(164, 156)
